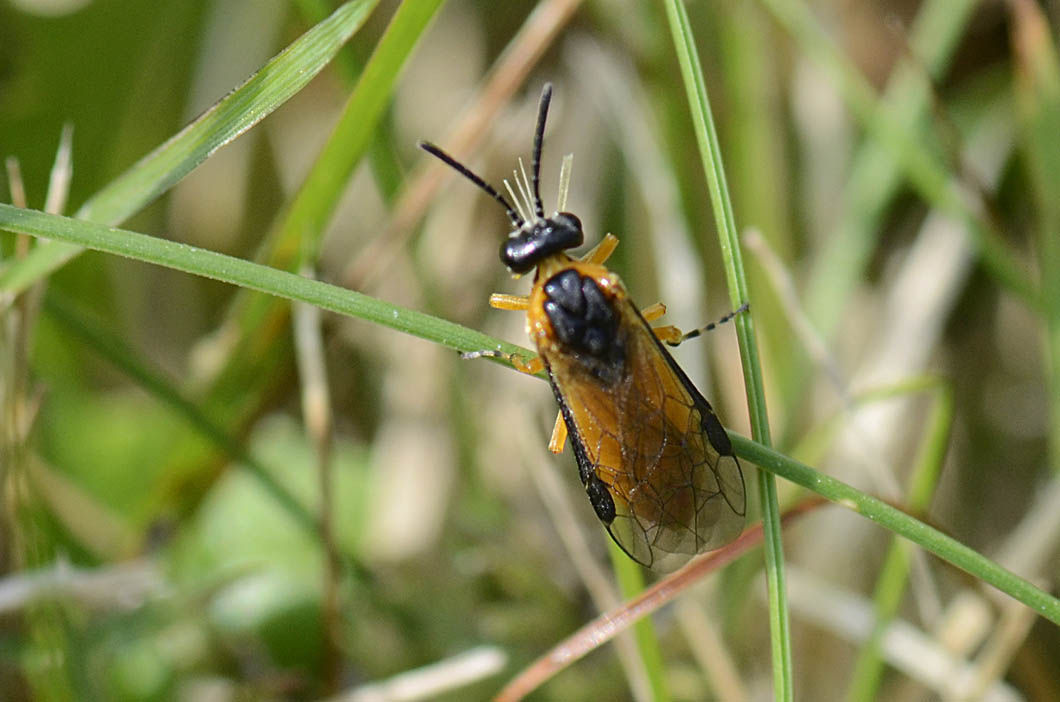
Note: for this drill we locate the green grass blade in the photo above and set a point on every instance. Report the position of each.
(330, 297)
(925, 171)
(253, 276)
(755, 145)
(893, 519)
(890, 586)
(117, 352)
(274, 84)
(630, 578)
(306, 219)
(253, 366)
(298, 230)
(876, 175)
(710, 153)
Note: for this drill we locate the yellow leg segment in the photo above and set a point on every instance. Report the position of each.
(511, 303)
(532, 367)
(559, 435)
(668, 334)
(653, 312)
(603, 250)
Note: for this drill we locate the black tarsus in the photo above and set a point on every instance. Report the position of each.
(696, 332)
(539, 136)
(467, 173)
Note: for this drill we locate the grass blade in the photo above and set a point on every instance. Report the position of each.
(897, 521)
(875, 175)
(333, 298)
(253, 276)
(309, 213)
(630, 579)
(153, 381)
(925, 172)
(891, 583)
(274, 84)
(710, 153)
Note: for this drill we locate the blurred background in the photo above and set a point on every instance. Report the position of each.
(885, 163)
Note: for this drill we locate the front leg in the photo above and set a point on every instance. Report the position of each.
(559, 434)
(511, 303)
(667, 333)
(531, 367)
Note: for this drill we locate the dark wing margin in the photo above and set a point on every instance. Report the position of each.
(660, 475)
(718, 521)
(730, 476)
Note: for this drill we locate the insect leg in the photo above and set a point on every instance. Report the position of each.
(602, 251)
(673, 336)
(653, 312)
(559, 435)
(668, 334)
(512, 303)
(532, 367)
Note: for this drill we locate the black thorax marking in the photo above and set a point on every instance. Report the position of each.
(585, 322)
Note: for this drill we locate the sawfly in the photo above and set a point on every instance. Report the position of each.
(655, 461)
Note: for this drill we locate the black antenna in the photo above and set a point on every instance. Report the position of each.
(466, 172)
(535, 162)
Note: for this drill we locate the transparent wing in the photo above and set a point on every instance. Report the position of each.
(656, 444)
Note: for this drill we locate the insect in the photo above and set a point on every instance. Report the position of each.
(655, 461)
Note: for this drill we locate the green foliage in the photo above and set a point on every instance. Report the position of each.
(164, 447)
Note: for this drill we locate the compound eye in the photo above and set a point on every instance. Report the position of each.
(568, 230)
(518, 254)
(568, 221)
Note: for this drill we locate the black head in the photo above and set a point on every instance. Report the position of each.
(525, 248)
(532, 241)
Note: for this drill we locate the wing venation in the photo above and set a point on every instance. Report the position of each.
(646, 437)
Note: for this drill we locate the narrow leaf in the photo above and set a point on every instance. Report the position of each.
(154, 174)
